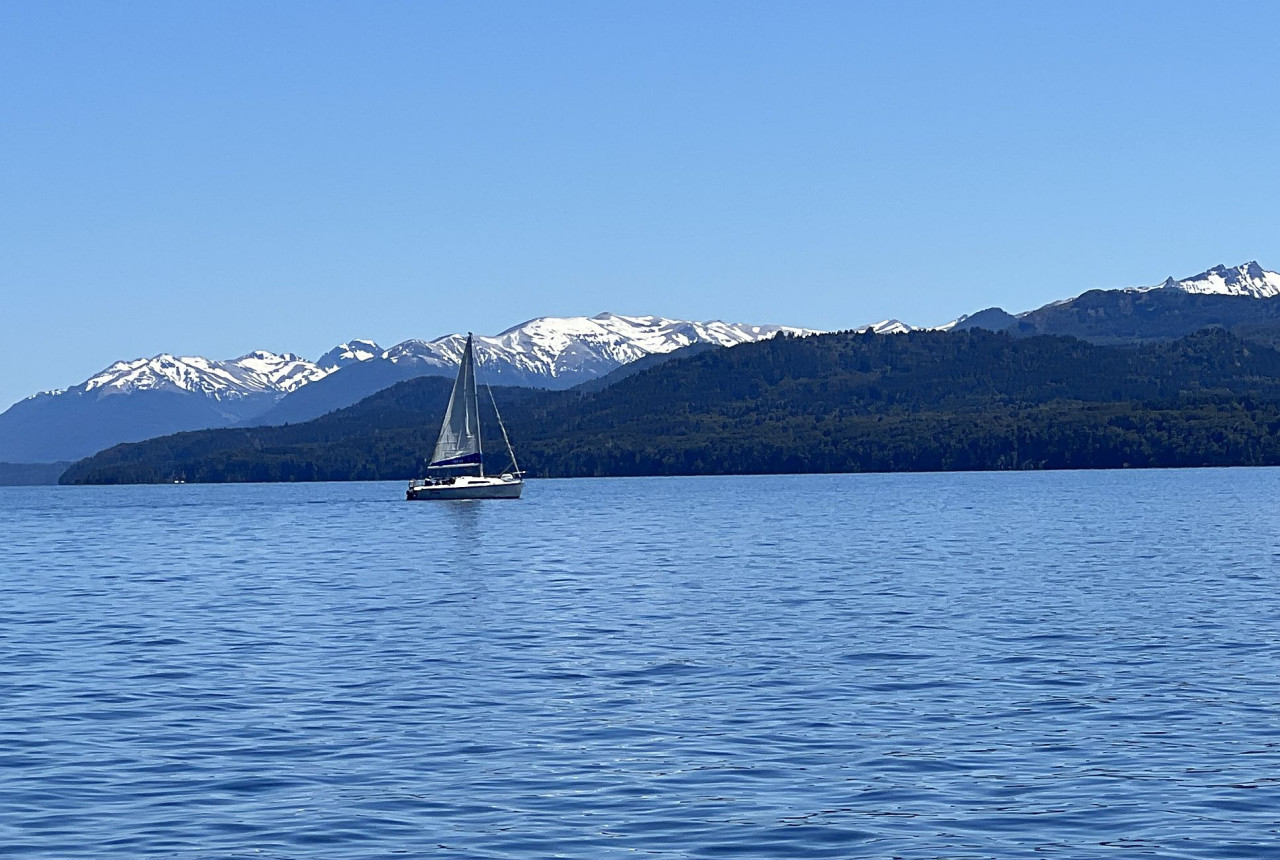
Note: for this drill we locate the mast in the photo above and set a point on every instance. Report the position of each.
(474, 398)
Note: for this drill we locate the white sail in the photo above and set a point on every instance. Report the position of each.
(459, 442)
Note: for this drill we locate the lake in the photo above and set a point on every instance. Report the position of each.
(946, 665)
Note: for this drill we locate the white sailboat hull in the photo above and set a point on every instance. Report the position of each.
(466, 487)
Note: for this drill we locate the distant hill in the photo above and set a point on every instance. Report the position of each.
(1117, 317)
(1244, 300)
(30, 474)
(845, 402)
(646, 363)
(47, 428)
(1121, 316)
(991, 319)
(338, 390)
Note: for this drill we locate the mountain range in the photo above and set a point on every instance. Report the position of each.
(844, 402)
(1247, 280)
(148, 397)
(1244, 300)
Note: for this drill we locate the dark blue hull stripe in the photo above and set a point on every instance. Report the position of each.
(464, 460)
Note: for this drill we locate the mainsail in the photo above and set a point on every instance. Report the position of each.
(459, 442)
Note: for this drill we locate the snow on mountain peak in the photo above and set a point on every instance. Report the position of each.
(555, 351)
(258, 372)
(1247, 279)
(892, 327)
(349, 353)
(555, 348)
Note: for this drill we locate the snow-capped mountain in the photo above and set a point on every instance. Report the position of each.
(551, 351)
(259, 372)
(548, 352)
(887, 327)
(563, 351)
(349, 353)
(1237, 299)
(145, 397)
(1247, 279)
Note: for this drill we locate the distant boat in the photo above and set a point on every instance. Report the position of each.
(458, 448)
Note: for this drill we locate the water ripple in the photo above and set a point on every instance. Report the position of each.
(918, 666)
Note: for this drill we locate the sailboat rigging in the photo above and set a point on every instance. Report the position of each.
(459, 447)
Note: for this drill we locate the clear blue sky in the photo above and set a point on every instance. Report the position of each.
(213, 177)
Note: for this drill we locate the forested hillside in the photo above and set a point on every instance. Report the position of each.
(841, 402)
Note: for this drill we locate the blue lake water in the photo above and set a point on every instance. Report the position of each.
(963, 665)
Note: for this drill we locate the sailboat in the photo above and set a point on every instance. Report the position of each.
(458, 448)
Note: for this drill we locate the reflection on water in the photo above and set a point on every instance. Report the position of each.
(464, 516)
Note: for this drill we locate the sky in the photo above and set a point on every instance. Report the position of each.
(209, 178)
